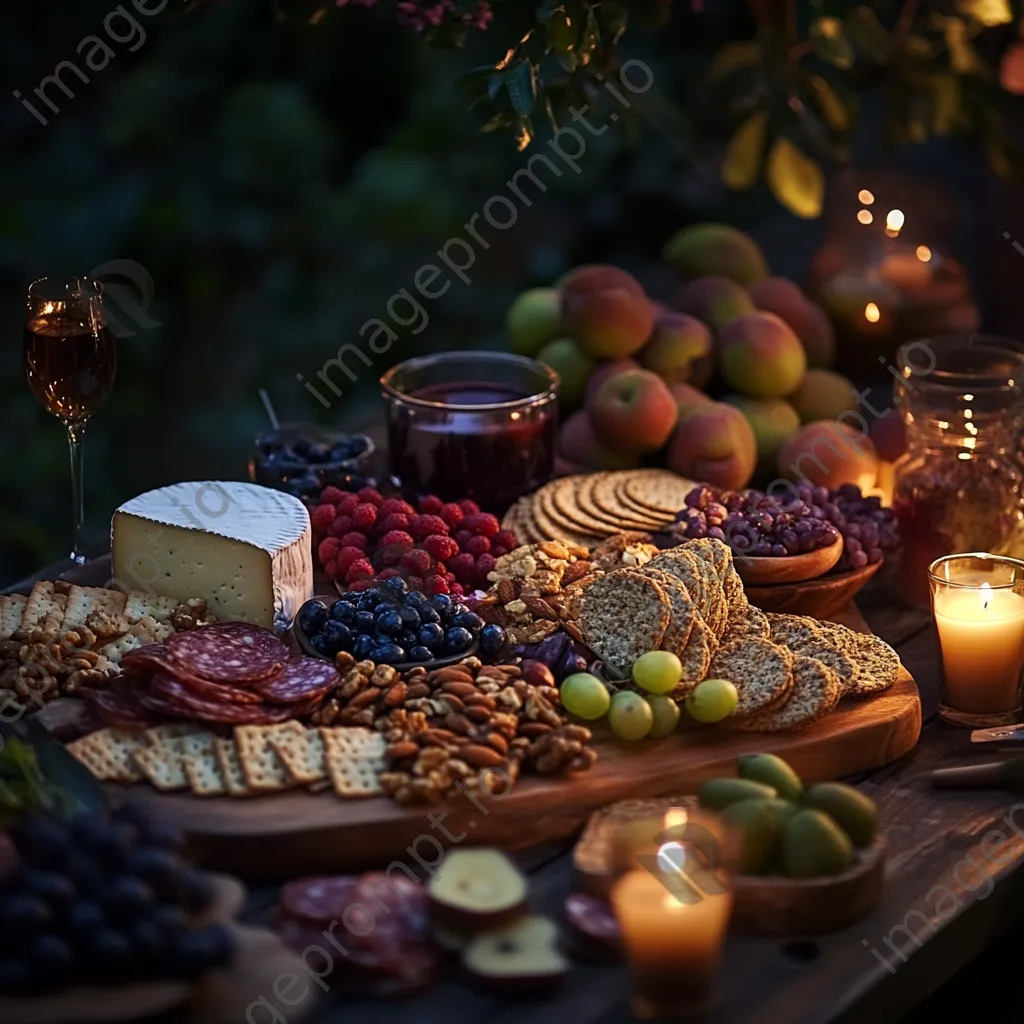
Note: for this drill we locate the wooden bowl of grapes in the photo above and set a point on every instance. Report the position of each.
(820, 598)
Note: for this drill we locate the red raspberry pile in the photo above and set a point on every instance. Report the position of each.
(439, 548)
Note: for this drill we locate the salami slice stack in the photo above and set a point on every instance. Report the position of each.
(226, 673)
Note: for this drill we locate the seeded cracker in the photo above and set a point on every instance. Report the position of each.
(746, 622)
(760, 670)
(816, 691)
(556, 526)
(201, 766)
(264, 771)
(230, 766)
(622, 616)
(696, 657)
(353, 758)
(682, 611)
(302, 754)
(805, 636)
(876, 666)
(660, 490)
(606, 497)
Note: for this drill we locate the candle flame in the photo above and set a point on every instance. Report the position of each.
(894, 220)
(872, 313)
(924, 254)
(986, 595)
(866, 197)
(865, 216)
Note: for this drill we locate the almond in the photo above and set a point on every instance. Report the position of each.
(400, 751)
(479, 756)
(477, 713)
(506, 591)
(540, 609)
(436, 737)
(496, 740)
(395, 695)
(459, 689)
(534, 730)
(451, 702)
(417, 691)
(458, 723)
(553, 549)
(483, 700)
(451, 674)
(364, 699)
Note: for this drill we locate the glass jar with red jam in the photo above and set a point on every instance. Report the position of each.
(477, 425)
(958, 486)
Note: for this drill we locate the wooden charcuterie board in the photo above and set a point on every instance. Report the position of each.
(270, 837)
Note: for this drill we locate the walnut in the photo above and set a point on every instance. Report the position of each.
(87, 677)
(34, 685)
(104, 624)
(518, 562)
(40, 654)
(74, 641)
(326, 715)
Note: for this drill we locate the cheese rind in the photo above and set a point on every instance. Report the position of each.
(245, 549)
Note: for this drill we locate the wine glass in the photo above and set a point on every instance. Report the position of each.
(70, 362)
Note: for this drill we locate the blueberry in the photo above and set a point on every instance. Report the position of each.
(410, 617)
(320, 645)
(318, 453)
(56, 890)
(312, 616)
(336, 635)
(416, 599)
(352, 596)
(51, 956)
(84, 918)
(467, 620)
(170, 919)
(419, 653)
(41, 841)
(428, 614)
(396, 585)
(300, 446)
(23, 912)
(340, 452)
(441, 603)
(373, 597)
(407, 638)
(492, 638)
(382, 639)
(430, 635)
(196, 890)
(388, 654)
(456, 640)
(343, 611)
(128, 897)
(219, 943)
(187, 956)
(457, 608)
(365, 622)
(109, 950)
(390, 622)
(147, 939)
(362, 646)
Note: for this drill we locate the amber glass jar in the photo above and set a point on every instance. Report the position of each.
(958, 487)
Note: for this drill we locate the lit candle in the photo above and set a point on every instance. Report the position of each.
(673, 947)
(979, 616)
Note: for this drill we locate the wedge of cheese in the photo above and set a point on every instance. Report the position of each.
(245, 549)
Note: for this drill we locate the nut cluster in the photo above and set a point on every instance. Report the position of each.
(464, 727)
(535, 591)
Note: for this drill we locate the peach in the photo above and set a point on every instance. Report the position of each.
(677, 343)
(713, 443)
(715, 249)
(579, 446)
(607, 317)
(773, 420)
(761, 356)
(633, 412)
(573, 369)
(597, 277)
(687, 395)
(823, 395)
(533, 319)
(829, 453)
(782, 297)
(715, 300)
(602, 371)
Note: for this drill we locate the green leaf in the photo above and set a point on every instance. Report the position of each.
(962, 56)
(589, 39)
(835, 112)
(868, 33)
(561, 35)
(828, 41)
(523, 133)
(521, 83)
(743, 156)
(795, 179)
(732, 57)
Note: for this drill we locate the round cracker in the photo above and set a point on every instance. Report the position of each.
(816, 691)
(552, 526)
(607, 500)
(660, 490)
(587, 504)
(760, 670)
(563, 494)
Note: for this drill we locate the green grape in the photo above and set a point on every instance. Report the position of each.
(666, 716)
(712, 700)
(657, 671)
(630, 715)
(585, 696)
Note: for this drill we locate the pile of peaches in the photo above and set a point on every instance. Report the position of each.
(638, 374)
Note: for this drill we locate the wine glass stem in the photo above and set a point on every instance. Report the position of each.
(76, 431)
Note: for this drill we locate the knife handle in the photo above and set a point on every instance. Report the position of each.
(974, 776)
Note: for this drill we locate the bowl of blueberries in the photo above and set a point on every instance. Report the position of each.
(392, 625)
(304, 458)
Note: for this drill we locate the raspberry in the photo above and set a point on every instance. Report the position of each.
(347, 556)
(365, 516)
(332, 570)
(328, 549)
(361, 567)
(482, 523)
(358, 584)
(463, 566)
(424, 526)
(484, 565)
(415, 583)
(386, 574)
(348, 506)
(394, 521)
(371, 497)
(469, 508)
(430, 505)
(418, 560)
(332, 495)
(340, 526)
(462, 538)
(478, 546)
(395, 537)
(440, 546)
(455, 589)
(506, 538)
(451, 514)
(322, 516)
(497, 550)
(395, 506)
(355, 539)
(435, 585)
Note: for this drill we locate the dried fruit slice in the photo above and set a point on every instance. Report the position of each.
(521, 957)
(477, 889)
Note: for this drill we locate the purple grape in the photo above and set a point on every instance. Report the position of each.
(696, 530)
(820, 495)
(717, 533)
(778, 551)
(858, 559)
(763, 548)
(716, 510)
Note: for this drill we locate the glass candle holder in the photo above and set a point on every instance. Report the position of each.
(672, 901)
(958, 486)
(978, 605)
(477, 425)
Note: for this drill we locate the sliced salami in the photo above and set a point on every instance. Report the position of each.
(230, 652)
(116, 710)
(145, 661)
(300, 679)
(319, 899)
(167, 693)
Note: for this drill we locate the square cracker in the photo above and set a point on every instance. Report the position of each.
(202, 769)
(163, 766)
(82, 601)
(140, 606)
(145, 631)
(353, 757)
(264, 771)
(108, 754)
(302, 754)
(12, 611)
(44, 609)
(230, 766)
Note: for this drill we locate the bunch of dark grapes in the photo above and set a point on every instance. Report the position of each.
(102, 900)
(790, 523)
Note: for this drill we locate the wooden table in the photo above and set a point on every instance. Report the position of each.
(945, 902)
